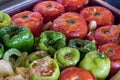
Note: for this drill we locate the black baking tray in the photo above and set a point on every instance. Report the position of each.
(28, 5)
(115, 3)
(4, 1)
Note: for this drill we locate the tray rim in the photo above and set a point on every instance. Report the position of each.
(29, 3)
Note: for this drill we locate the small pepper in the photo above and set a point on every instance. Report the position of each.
(44, 69)
(11, 52)
(17, 37)
(84, 46)
(66, 57)
(96, 63)
(51, 41)
(34, 56)
(5, 20)
(1, 50)
(21, 57)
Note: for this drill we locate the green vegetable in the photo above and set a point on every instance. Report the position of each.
(17, 37)
(84, 46)
(44, 69)
(20, 62)
(51, 41)
(21, 57)
(11, 52)
(97, 63)
(34, 56)
(66, 57)
(5, 20)
(1, 51)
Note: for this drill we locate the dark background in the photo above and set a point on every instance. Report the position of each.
(115, 3)
(7, 3)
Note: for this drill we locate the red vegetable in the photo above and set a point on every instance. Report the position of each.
(32, 20)
(71, 24)
(106, 34)
(74, 73)
(112, 51)
(115, 67)
(99, 14)
(49, 10)
(73, 5)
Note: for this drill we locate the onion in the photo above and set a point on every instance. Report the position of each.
(5, 68)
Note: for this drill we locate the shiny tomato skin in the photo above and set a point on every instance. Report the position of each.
(74, 73)
(73, 5)
(106, 34)
(111, 50)
(49, 10)
(71, 24)
(32, 20)
(115, 67)
(101, 15)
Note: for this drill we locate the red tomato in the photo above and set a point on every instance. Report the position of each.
(106, 34)
(73, 5)
(71, 24)
(115, 67)
(74, 73)
(49, 10)
(101, 15)
(111, 50)
(32, 20)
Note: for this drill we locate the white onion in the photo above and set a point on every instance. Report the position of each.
(5, 68)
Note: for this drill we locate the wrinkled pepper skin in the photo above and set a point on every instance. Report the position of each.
(84, 46)
(17, 37)
(67, 57)
(53, 76)
(51, 41)
(5, 20)
(34, 56)
(1, 50)
(96, 63)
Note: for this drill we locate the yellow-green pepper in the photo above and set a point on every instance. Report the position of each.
(96, 63)
(44, 69)
(5, 20)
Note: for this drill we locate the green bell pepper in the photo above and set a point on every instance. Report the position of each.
(51, 41)
(84, 46)
(34, 56)
(17, 37)
(1, 50)
(21, 57)
(97, 63)
(11, 52)
(5, 20)
(66, 57)
(44, 69)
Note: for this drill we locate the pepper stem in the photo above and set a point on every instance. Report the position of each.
(101, 55)
(49, 6)
(70, 21)
(96, 13)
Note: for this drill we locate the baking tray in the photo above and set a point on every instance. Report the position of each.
(28, 5)
(4, 1)
(115, 3)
